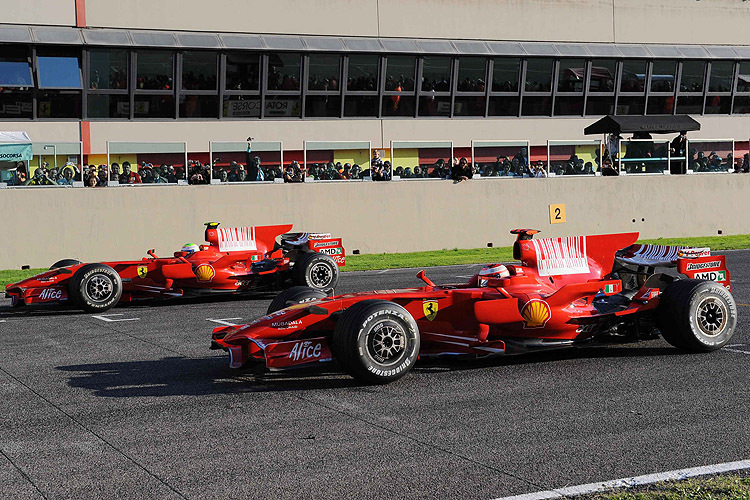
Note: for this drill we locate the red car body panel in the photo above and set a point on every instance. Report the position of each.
(552, 299)
(226, 264)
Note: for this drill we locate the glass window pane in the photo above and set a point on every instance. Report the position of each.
(360, 105)
(283, 71)
(690, 104)
(108, 106)
(154, 70)
(569, 105)
(469, 106)
(243, 71)
(59, 71)
(241, 106)
(504, 105)
(363, 72)
(15, 103)
(471, 74)
(324, 72)
(15, 73)
(660, 105)
(282, 106)
(108, 69)
(600, 105)
(692, 76)
(627, 105)
(537, 106)
(505, 75)
(743, 82)
(199, 106)
(199, 70)
(434, 106)
(323, 105)
(741, 105)
(59, 104)
(603, 73)
(398, 105)
(436, 74)
(571, 75)
(539, 75)
(154, 106)
(662, 76)
(633, 76)
(718, 104)
(721, 76)
(399, 73)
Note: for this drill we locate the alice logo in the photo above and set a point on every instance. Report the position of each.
(536, 313)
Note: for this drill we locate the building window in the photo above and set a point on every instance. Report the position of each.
(59, 74)
(154, 91)
(435, 88)
(571, 78)
(323, 93)
(399, 100)
(471, 87)
(601, 87)
(107, 95)
(198, 95)
(692, 85)
(361, 92)
(537, 98)
(284, 71)
(742, 96)
(241, 96)
(632, 97)
(15, 83)
(505, 99)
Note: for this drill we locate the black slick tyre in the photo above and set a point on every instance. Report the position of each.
(64, 263)
(294, 295)
(315, 270)
(95, 288)
(696, 315)
(376, 341)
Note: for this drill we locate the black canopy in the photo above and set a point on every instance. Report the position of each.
(655, 124)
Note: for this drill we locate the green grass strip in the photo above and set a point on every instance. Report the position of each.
(457, 256)
(729, 487)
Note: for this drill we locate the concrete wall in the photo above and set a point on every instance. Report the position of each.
(641, 21)
(122, 223)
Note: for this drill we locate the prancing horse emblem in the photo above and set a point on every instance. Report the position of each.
(430, 308)
(142, 271)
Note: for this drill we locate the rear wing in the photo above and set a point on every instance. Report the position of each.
(318, 242)
(695, 263)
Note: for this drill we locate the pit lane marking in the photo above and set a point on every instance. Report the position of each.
(108, 318)
(223, 321)
(629, 482)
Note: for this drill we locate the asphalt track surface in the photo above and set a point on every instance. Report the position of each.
(141, 408)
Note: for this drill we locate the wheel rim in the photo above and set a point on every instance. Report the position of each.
(99, 287)
(387, 342)
(320, 275)
(711, 316)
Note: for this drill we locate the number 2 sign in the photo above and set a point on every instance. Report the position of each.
(557, 213)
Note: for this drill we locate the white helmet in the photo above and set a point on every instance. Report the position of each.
(492, 271)
(190, 248)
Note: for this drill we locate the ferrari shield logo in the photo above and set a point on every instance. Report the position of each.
(430, 308)
(142, 271)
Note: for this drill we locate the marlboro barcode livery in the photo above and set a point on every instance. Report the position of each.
(565, 292)
(235, 260)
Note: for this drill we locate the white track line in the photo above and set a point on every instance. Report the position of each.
(108, 318)
(223, 321)
(629, 482)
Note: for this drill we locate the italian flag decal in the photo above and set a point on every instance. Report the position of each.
(609, 288)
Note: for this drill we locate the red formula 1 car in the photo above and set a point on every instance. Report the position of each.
(565, 292)
(238, 259)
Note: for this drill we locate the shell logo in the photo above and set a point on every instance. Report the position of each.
(204, 272)
(536, 313)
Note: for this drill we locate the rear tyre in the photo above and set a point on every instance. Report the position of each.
(316, 270)
(696, 315)
(95, 288)
(376, 341)
(294, 295)
(64, 263)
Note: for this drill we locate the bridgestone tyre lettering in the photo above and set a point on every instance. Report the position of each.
(95, 288)
(315, 270)
(696, 315)
(64, 263)
(294, 295)
(376, 341)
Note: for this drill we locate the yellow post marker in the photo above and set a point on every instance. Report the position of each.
(557, 213)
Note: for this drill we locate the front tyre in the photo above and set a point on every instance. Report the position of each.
(95, 288)
(697, 315)
(376, 341)
(294, 295)
(316, 270)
